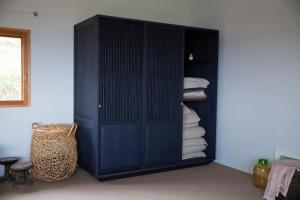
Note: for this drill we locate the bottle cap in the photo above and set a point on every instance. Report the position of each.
(263, 161)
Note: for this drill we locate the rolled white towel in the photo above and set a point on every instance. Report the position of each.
(194, 155)
(193, 132)
(191, 117)
(193, 149)
(194, 141)
(190, 125)
(193, 82)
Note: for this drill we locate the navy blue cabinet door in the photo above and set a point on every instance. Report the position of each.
(163, 86)
(120, 147)
(120, 94)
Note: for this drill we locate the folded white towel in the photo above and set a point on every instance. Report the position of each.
(186, 110)
(194, 141)
(192, 82)
(193, 149)
(193, 132)
(190, 125)
(197, 94)
(194, 155)
(191, 117)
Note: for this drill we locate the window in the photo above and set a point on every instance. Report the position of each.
(14, 67)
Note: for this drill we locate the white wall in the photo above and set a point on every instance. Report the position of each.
(259, 79)
(52, 56)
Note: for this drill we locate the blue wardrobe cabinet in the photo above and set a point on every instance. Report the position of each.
(128, 96)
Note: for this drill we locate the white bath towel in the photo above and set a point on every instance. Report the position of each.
(190, 125)
(197, 94)
(186, 110)
(194, 155)
(193, 82)
(193, 149)
(194, 141)
(191, 117)
(280, 177)
(193, 132)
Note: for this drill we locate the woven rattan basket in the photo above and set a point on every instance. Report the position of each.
(53, 151)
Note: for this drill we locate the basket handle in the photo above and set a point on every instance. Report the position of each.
(35, 126)
(73, 129)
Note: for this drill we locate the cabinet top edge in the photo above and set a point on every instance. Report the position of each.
(98, 16)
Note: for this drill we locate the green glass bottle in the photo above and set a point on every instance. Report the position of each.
(261, 173)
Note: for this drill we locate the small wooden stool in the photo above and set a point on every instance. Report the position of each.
(21, 173)
(7, 162)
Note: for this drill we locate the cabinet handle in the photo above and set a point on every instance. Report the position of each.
(99, 105)
(181, 103)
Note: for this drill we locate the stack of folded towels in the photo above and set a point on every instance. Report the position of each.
(194, 88)
(193, 143)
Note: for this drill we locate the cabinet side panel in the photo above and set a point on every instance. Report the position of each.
(86, 94)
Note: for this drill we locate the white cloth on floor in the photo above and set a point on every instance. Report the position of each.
(190, 125)
(193, 132)
(194, 141)
(193, 82)
(280, 177)
(191, 117)
(193, 149)
(194, 155)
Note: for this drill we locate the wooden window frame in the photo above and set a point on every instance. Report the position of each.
(25, 66)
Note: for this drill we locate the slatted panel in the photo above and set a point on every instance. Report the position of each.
(121, 59)
(164, 72)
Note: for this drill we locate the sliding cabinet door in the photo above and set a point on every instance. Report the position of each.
(120, 94)
(163, 94)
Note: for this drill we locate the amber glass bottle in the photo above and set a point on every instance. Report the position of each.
(261, 173)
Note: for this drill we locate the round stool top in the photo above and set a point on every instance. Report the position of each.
(20, 166)
(8, 160)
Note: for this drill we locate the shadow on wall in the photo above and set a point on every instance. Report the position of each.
(1, 167)
(1, 170)
(293, 6)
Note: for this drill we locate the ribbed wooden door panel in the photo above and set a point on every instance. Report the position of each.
(121, 65)
(121, 62)
(164, 71)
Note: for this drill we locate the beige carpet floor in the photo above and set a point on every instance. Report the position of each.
(210, 182)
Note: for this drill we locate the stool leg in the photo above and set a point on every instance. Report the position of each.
(19, 177)
(6, 174)
(27, 179)
(3, 178)
(21, 180)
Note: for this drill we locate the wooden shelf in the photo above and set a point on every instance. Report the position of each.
(195, 99)
(198, 62)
